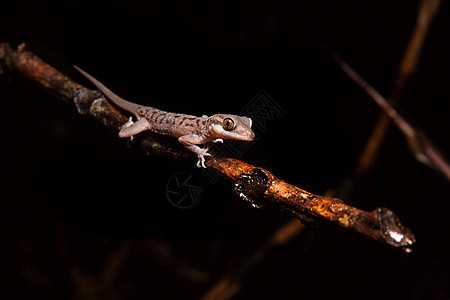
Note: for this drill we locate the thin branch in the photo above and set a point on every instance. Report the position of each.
(426, 12)
(230, 284)
(256, 185)
(420, 145)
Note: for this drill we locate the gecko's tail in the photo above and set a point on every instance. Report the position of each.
(122, 103)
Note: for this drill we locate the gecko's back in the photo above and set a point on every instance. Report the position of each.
(170, 123)
(160, 121)
(190, 130)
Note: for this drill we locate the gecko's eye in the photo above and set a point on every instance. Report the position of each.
(228, 124)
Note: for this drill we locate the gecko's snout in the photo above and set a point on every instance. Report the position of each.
(246, 136)
(251, 136)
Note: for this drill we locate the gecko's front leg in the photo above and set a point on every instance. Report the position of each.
(190, 142)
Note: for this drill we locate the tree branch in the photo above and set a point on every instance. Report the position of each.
(256, 185)
(420, 145)
(426, 12)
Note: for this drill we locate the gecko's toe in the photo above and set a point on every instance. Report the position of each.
(218, 141)
(201, 163)
(201, 160)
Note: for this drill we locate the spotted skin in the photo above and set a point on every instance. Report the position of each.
(191, 131)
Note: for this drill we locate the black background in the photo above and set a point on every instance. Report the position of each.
(73, 195)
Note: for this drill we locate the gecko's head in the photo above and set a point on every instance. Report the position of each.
(231, 127)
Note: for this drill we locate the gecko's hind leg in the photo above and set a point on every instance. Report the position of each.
(128, 124)
(130, 128)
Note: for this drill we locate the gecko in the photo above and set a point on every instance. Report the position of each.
(191, 131)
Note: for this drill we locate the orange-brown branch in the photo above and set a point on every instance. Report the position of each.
(256, 185)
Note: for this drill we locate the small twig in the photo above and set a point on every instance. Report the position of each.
(420, 145)
(426, 12)
(230, 284)
(95, 287)
(253, 184)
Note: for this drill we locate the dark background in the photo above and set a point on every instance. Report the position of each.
(78, 205)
